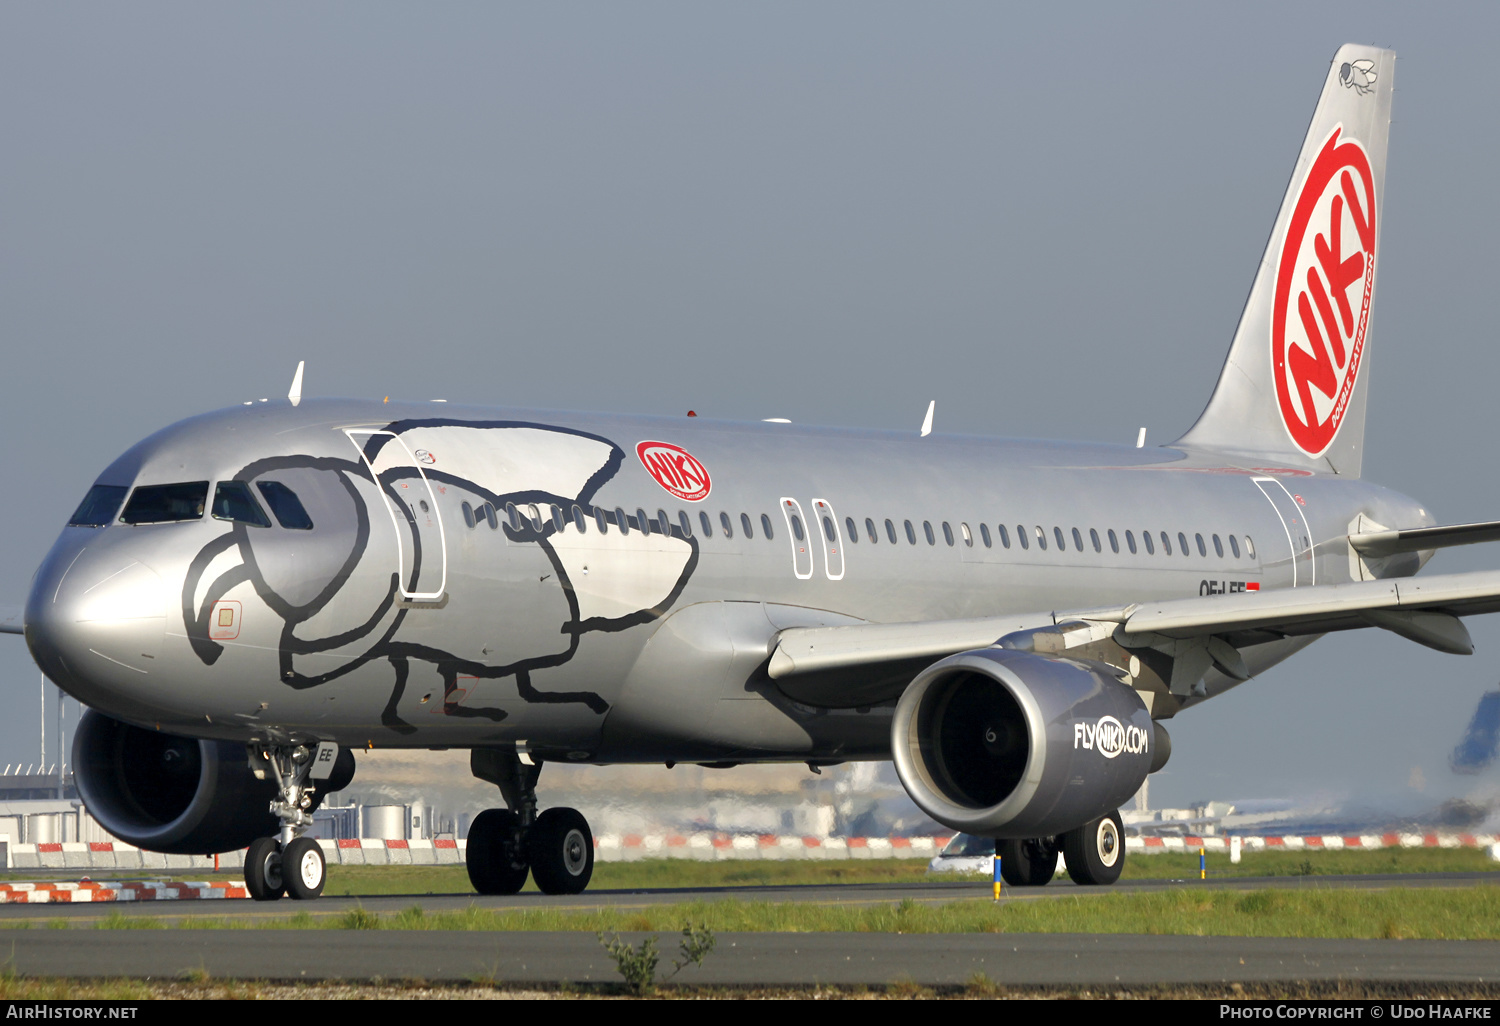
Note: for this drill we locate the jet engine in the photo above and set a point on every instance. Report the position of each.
(179, 795)
(1011, 744)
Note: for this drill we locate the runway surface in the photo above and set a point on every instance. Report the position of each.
(765, 959)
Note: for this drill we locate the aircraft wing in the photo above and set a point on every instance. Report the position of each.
(10, 620)
(1389, 543)
(1195, 633)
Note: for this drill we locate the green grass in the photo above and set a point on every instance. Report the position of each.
(1460, 913)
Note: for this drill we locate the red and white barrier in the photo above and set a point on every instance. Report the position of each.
(88, 891)
(703, 847)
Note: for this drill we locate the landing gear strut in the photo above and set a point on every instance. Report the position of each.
(555, 847)
(288, 863)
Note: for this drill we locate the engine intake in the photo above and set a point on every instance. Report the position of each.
(179, 795)
(1007, 743)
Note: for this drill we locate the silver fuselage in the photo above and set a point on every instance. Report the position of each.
(394, 623)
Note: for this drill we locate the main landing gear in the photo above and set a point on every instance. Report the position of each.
(555, 847)
(289, 863)
(1095, 855)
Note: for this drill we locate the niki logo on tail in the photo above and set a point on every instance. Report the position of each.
(1317, 326)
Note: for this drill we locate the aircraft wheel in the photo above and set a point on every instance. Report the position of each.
(1095, 852)
(1027, 863)
(562, 851)
(263, 877)
(496, 862)
(304, 868)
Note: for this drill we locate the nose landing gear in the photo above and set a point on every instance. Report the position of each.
(289, 863)
(556, 847)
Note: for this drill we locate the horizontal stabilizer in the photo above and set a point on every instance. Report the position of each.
(10, 620)
(1389, 543)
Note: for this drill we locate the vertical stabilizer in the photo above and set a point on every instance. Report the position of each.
(1293, 388)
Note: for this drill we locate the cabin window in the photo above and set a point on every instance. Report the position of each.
(1182, 544)
(911, 534)
(726, 524)
(285, 506)
(687, 525)
(661, 525)
(486, 512)
(927, 530)
(622, 521)
(1218, 547)
(1166, 544)
(1041, 538)
(797, 527)
(851, 530)
(984, 535)
(963, 529)
(1114, 541)
(464, 508)
(890, 531)
(1150, 548)
(706, 524)
(601, 520)
(1078, 540)
(1062, 546)
(642, 522)
(947, 533)
(870, 531)
(1129, 541)
(1234, 546)
(745, 525)
(1005, 536)
(535, 515)
(99, 506)
(1094, 537)
(1249, 547)
(579, 521)
(829, 531)
(765, 526)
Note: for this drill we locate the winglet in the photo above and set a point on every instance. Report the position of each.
(927, 420)
(295, 395)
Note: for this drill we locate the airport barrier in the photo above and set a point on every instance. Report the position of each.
(703, 847)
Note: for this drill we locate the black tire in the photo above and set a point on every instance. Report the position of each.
(497, 864)
(562, 851)
(303, 869)
(1096, 851)
(1027, 863)
(263, 877)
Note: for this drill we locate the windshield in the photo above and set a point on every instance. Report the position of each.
(233, 501)
(967, 845)
(162, 504)
(99, 506)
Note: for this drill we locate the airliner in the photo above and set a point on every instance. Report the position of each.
(246, 598)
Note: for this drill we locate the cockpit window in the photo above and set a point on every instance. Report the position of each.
(233, 501)
(165, 504)
(285, 506)
(99, 506)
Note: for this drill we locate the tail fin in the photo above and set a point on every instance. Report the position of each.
(1293, 387)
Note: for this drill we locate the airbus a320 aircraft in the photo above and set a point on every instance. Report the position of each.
(246, 597)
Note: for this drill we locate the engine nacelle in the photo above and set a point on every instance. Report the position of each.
(1010, 744)
(178, 795)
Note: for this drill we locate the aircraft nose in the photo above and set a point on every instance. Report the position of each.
(95, 619)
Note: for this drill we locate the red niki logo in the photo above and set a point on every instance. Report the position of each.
(1318, 338)
(675, 469)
